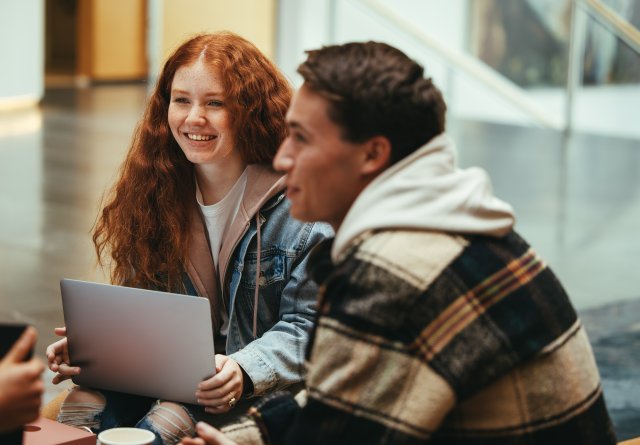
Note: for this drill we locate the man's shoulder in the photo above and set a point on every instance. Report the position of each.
(416, 260)
(430, 276)
(428, 253)
(415, 256)
(384, 276)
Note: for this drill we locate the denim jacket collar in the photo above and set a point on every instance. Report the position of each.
(263, 183)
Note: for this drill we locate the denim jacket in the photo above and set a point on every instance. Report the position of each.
(274, 359)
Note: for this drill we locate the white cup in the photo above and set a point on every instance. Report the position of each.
(125, 436)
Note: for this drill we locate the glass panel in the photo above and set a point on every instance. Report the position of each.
(527, 42)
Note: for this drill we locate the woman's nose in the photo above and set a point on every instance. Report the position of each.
(196, 114)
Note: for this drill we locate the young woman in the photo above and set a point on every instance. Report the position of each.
(198, 210)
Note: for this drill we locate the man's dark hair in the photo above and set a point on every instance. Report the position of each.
(375, 89)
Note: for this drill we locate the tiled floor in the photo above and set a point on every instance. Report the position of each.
(577, 200)
(614, 331)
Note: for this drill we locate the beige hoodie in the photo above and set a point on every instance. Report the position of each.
(427, 191)
(262, 184)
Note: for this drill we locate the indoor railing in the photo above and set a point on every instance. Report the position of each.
(498, 83)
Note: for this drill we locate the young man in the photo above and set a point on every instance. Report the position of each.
(437, 322)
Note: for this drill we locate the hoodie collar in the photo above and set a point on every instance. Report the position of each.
(427, 191)
(262, 184)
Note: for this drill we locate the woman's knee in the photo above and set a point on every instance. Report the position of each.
(171, 421)
(82, 408)
(78, 394)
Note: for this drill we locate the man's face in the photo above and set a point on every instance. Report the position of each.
(323, 171)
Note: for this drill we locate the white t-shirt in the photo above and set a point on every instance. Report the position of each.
(218, 218)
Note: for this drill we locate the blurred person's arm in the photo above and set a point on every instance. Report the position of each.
(267, 422)
(21, 385)
(207, 435)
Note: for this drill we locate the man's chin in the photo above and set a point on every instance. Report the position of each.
(299, 215)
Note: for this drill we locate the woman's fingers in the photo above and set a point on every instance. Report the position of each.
(57, 354)
(64, 372)
(220, 395)
(59, 378)
(66, 369)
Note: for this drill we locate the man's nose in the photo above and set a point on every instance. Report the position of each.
(283, 161)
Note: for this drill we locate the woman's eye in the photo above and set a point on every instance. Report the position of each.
(215, 103)
(180, 100)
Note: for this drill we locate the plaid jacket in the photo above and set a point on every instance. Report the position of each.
(424, 337)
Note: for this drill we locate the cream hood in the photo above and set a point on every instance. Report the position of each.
(427, 191)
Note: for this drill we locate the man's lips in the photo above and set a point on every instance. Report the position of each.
(292, 190)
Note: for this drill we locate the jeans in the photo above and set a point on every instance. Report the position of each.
(170, 422)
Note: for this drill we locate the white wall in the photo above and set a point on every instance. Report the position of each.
(21, 52)
(301, 25)
(171, 22)
(309, 24)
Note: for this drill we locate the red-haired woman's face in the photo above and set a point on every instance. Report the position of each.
(198, 116)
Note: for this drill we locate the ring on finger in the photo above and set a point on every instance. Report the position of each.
(232, 401)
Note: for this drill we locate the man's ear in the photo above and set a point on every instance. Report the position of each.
(377, 155)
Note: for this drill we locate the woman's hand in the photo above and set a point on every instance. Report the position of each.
(208, 436)
(221, 392)
(58, 357)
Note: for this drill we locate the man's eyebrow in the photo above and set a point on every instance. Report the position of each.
(301, 129)
(295, 125)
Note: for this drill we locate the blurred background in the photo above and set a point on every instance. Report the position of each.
(543, 94)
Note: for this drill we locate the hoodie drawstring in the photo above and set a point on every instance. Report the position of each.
(258, 272)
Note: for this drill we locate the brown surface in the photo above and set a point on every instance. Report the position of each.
(635, 441)
(48, 432)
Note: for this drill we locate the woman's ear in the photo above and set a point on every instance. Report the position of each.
(377, 155)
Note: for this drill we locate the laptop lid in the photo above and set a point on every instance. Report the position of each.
(138, 341)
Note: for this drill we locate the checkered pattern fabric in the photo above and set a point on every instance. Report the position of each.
(424, 337)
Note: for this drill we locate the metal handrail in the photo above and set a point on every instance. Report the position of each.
(574, 62)
(612, 20)
(608, 18)
(470, 65)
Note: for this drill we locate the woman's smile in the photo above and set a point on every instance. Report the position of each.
(199, 137)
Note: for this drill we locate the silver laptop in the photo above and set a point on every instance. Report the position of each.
(138, 341)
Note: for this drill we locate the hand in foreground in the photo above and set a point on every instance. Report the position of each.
(208, 435)
(221, 392)
(21, 386)
(58, 358)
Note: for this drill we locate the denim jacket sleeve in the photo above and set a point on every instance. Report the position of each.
(275, 359)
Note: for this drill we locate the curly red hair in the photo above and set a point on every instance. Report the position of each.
(144, 225)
